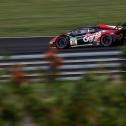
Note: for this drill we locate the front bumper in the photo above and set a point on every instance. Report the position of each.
(52, 45)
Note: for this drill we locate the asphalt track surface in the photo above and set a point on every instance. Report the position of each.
(23, 45)
(37, 45)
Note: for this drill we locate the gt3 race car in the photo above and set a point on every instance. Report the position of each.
(99, 35)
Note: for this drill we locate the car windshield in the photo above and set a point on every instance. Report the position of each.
(80, 31)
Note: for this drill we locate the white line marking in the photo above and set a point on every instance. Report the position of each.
(65, 61)
(72, 67)
(36, 56)
(71, 73)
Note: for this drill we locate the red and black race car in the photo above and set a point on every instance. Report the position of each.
(99, 35)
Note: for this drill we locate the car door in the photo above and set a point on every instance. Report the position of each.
(77, 36)
(92, 34)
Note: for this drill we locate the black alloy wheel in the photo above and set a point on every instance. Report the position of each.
(62, 42)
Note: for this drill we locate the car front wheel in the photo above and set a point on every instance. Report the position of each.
(62, 42)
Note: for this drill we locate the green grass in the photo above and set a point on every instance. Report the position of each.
(49, 17)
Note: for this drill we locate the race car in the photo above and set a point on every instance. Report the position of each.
(99, 35)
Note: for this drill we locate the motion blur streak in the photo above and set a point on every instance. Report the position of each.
(77, 61)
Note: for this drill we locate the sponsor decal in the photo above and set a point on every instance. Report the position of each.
(91, 37)
(73, 41)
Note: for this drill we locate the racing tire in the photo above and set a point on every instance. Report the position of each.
(106, 40)
(62, 42)
(120, 41)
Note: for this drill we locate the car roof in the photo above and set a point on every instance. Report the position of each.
(79, 28)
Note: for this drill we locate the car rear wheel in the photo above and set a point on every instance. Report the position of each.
(107, 40)
(62, 42)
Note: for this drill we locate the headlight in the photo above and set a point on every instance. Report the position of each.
(51, 42)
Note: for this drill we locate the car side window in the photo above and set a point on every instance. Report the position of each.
(80, 31)
(91, 30)
(84, 30)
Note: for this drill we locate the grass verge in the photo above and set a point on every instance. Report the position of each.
(49, 17)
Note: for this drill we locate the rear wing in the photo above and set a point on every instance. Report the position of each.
(112, 27)
(103, 26)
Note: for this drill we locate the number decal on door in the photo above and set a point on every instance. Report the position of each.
(73, 41)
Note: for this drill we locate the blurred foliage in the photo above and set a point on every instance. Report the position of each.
(51, 17)
(91, 101)
(124, 49)
(124, 62)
